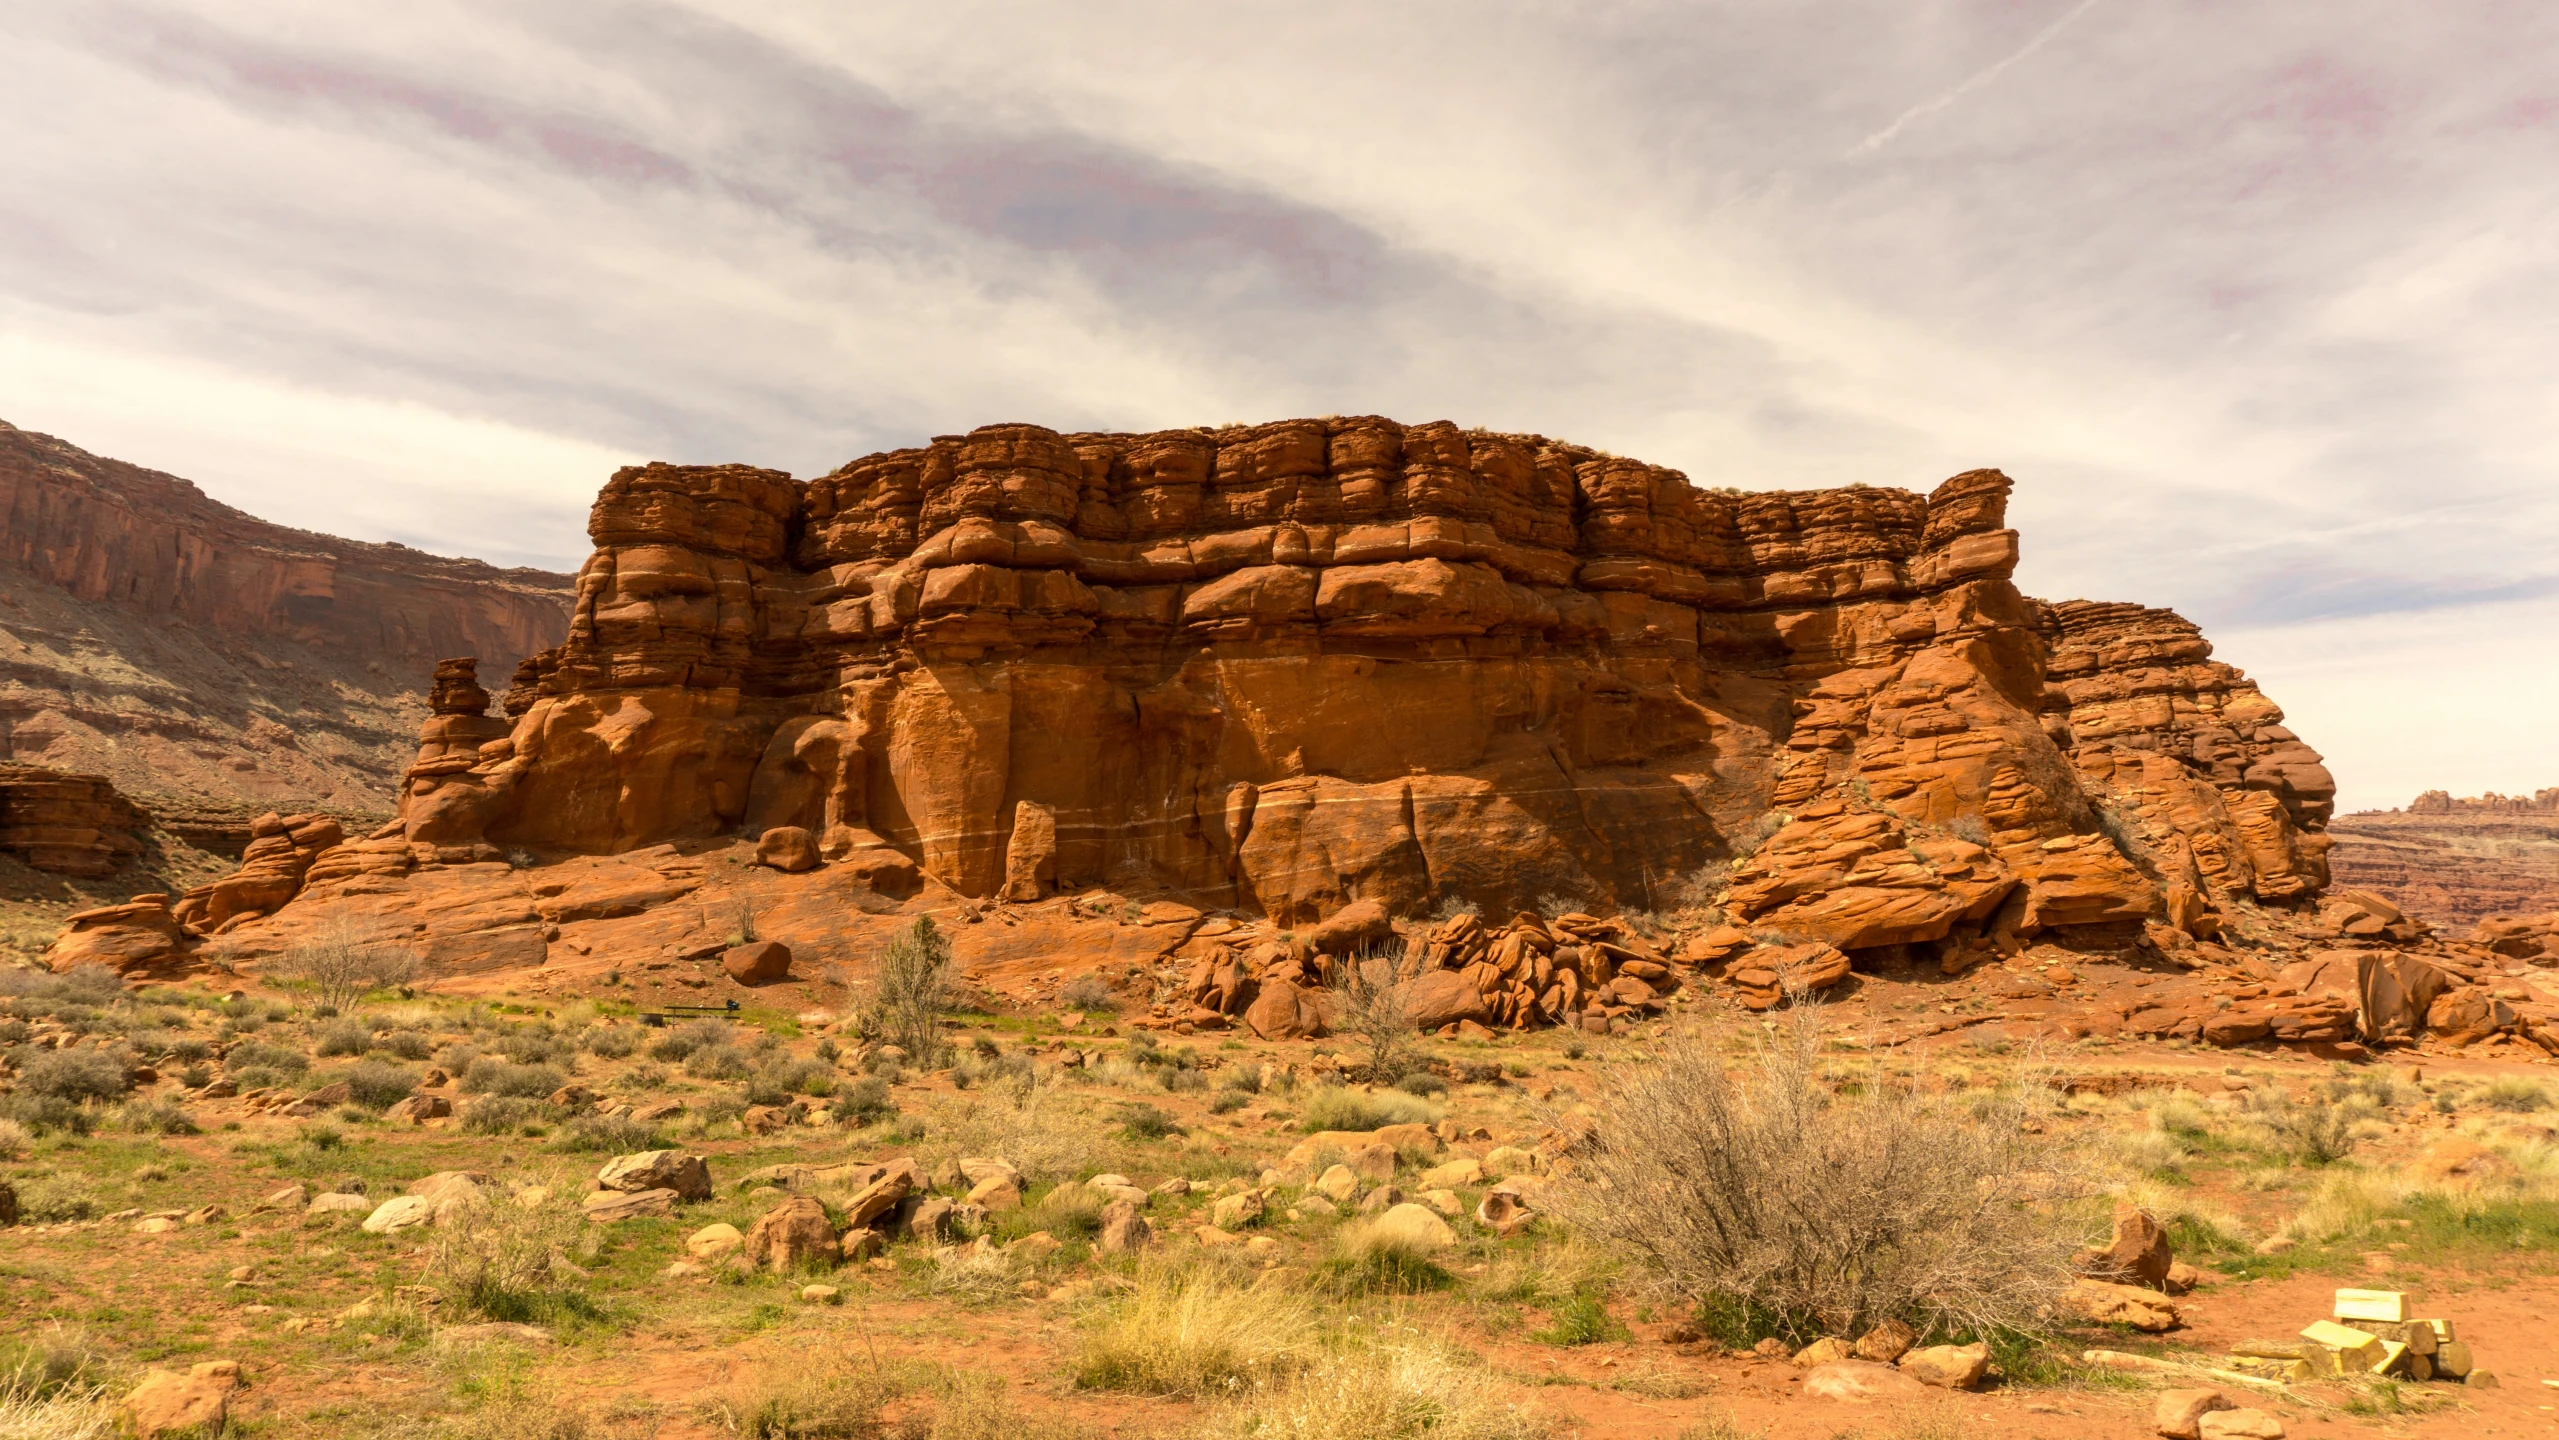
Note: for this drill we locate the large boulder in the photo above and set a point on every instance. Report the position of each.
(787, 848)
(196, 1403)
(686, 1175)
(757, 962)
(1359, 924)
(793, 1235)
(1859, 1382)
(1412, 1227)
(2136, 1254)
(1443, 997)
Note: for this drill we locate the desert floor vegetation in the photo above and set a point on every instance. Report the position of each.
(1113, 1231)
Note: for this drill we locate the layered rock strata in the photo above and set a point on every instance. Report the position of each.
(67, 824)
(1291, 666)
(2456, 862)
(200, 657)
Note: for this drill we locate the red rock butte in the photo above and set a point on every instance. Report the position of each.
(1284, 667)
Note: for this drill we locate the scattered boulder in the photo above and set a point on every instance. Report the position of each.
(444, 1182)
(1124, 1229)
(2178, 1413)
(1886, 1343)
(1503, 1212)
(1948, 1367)
(607, 1207)
(2239, 1424)
(885, 1193)
(713, 1241)
(1338, 1183)
(1234, 1212)
(1361, 922)
(758, 962)
(788, 848)
(688, 1177)
(1823, 1352)
(2110, 1304)
(168, 1403)
(793, 1235)
(418, 1109)
(2137, 1254)
(1859, 1382)
(337, 1202)
(400, 1212)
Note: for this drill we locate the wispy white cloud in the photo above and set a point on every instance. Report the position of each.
(2252, 302)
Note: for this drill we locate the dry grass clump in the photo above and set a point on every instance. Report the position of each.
(802, 1400)
(1041, 1132)
(1366, 1260)
(1335, 1107)
(67, 1415)
(1193, 1333)
(506, 1261)
(1401, 1393)
(1823, 1214)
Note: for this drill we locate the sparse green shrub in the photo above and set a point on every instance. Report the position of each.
(1582, 1319)
(1089, 994)
(865, 1102)
(254, 1055)
(406, 1044)
(718, 1062)
(1336, 1108)
(680, 1042)
(1422, 1083)
(377, 1086)
(1227, 1102)
(613, 1042)
(609, 1134)
(73, 1075)
(1141, 1121)
(343, 1037)
(156, 1117)
(500, 1077)
(498, 1114)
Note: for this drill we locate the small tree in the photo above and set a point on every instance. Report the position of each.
(911, 989)
(1372, 1008)
(343, 965)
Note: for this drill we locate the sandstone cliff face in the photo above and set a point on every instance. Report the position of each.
(1289, 667)
(2456, 862)
(66, 824)
(193, 653)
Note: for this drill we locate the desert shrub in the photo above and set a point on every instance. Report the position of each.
(1227, 1102)
(909, 991)
(1141, 1121)
(377, 1086)
(406, 1044)
(254, 1055)
(800, 1400)
(53, 1199)
(343, 1037)
(1827, 1214)
(613, 1042)
(609, 1134)
(1334, 1107)
(505, 1260)
(156, 1117)
(1409, 1392)
(718, 1062)
(784, 1076)
(1371, 1011)
(1971, 828)
(865, 1101)
(14, 1139)
(501, 1077)
(73, 1075)
(2513, 1094)
(189, 1052)
(2317, 1130)
(532, 1047)
(498, 1114)
(680, 1042)
(1580, 1318)
(1191, 1333)
(45, 1114)
(1071, 1210)
(1422, 1083)
(1014, 1070)
(343, 965)
(1088, 993)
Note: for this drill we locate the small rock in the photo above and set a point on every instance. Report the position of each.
(1237, 1211)
(2239, 1425)
(713, 1241)
(1038, 1245)
(998, 1192)
(686, 1176)
(1124, 1229)
(793, 1235)
(1859, 1382)
(1446, 1202)
(1821, 1352)
(1464, 1170)
(419, 1109)
(2179, 1411)
(1886, 1343)
(609, 1207)
(291, 1197)
(821, 1294)
(400, 1212)
(2108, 1304)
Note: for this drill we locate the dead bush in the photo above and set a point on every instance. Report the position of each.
(343, 965)
(1371, 1010)
(1762, 1197)
(508, 1262)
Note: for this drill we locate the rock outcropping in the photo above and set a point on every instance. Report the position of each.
(66, 824)
(195, 654)
(1289, 667)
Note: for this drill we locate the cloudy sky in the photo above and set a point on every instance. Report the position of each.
(2258, 302)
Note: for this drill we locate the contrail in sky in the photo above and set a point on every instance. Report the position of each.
(1880, 138)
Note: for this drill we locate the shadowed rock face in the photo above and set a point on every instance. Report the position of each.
(1290, 666)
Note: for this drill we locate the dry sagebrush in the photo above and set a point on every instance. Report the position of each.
(1823, 1213)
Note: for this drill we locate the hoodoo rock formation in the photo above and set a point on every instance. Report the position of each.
(1331, 677)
